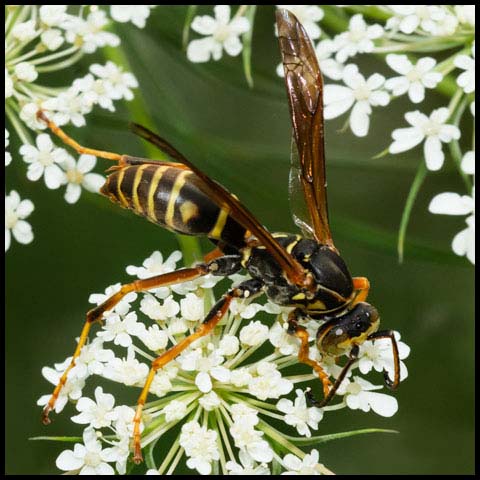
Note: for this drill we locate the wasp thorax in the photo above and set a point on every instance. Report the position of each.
(338, 335)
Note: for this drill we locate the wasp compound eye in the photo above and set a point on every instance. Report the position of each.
(340, 334)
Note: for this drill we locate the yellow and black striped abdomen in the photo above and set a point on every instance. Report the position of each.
(170, 197)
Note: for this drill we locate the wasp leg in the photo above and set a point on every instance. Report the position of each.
(396, 358)
(222, 266)
(352, 357)
(362, 285)
(72, 143)
(244, 290)
(301, 333)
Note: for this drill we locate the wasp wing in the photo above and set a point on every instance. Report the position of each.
(304, 84)
(293, 270)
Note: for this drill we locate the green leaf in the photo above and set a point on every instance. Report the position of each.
(247, 46)
(335, 436)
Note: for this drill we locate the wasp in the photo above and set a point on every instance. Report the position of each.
(301, 271)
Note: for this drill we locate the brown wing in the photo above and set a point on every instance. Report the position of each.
(304, 83)
(222, 197)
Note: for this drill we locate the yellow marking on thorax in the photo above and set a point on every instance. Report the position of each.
(317, 305)
(177, 186)
(216, 231)
(120, 194)
(188, 210)
(151, 192)
(136, 182)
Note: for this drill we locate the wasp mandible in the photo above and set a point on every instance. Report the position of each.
(301, 271)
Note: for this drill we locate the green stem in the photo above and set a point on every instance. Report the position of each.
(61, 65)
(192, 9)
(20, 131)
(247, 46)
(412, 195)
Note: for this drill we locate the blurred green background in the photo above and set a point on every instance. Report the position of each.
(241, 137)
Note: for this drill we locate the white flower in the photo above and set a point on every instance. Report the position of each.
(210, 401)
(308, 16)
(410, 17)
(244, 308)
(308, 466)
(96, 91)
(247, 466)
(154, 338)
(253, 334)
(207, 365)
(8, 156)
(44, 160)
(119, 453)
(25, 31)
(16, 211)
(87, 459)
(88, 32)
(137, 14)
(200, 446)
(358, 395)
(8, 84)
(28, 114)
(299, 415)
(155, 265)
(120, 329)
(414, 78)
(468, 163)
(358, 93)
(229, 345)
(70, 106)
(379, 356)
(268, 382)
(466, 14)
(151, 307)
(174, 410)
(92, 359)
(279, 338)
(192, 308)
(358, 39)
(250, 441)
(122, 307)
(26, 72)
(222, 33)
(432, 129)
(98, 413)
(52, 39)
(71, 390)
(466, 80)
(120, 82)
(329, 67)
(78, 176)
(128, 371)
(450, 203)
(53, 15)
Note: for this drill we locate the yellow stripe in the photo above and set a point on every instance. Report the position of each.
(151, 192)
(136, 182)
(177, 186)
(120, 194)
(216, 231)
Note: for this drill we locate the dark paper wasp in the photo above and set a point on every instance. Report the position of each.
(305, 272)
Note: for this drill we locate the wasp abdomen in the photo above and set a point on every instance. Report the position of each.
(170, 197)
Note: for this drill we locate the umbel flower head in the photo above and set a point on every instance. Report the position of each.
(220, 395)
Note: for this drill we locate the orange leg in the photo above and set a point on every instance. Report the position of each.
(245, 289)
(301, 333)
(96, 314)
(362, 285)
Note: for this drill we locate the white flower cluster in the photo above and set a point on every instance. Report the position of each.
(50, 38)
(223, 390)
